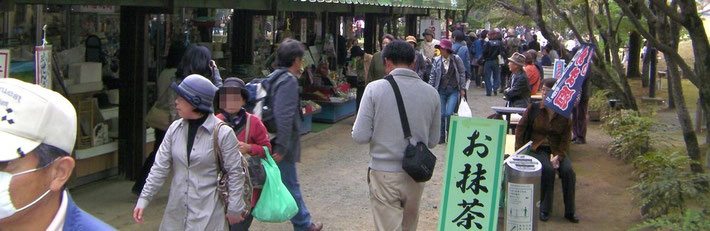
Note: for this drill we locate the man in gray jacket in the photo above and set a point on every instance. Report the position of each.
(287, 144)
(394, 195)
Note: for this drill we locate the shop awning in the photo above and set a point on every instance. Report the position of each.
(424, 4)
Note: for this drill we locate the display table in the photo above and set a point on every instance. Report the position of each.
(507, 111)
(332, 112)
(307, 122)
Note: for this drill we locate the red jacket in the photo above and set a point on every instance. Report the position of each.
(534, 78)
(258, 138)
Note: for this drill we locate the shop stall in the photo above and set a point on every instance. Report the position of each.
(112, 95)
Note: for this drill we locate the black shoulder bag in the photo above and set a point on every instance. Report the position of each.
(418, 160)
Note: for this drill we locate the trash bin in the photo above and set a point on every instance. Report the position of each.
(522, 207)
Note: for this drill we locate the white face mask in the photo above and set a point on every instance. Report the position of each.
(7, 209)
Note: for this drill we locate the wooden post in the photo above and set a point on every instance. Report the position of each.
(370, 27)
(411, 25)
(242, 44)
(133, 75)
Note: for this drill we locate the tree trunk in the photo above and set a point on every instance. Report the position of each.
(671, 99)
(701, 51)
(691, 140)
(632, 70)
(645, 63)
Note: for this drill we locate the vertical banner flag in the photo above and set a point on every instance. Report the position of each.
(43, 66)
(559, 68)
(568, 87)
(4, 63)
(472, 180)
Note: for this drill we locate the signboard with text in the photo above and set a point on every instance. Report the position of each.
(43, 66)
(568, 87)
(4, 63)
(473, 175)
(558, 69)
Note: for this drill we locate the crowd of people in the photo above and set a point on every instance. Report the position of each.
(420, 83)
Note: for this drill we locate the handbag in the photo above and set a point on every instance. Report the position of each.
(159, 115)
(223, 176)
(276, 204)
(257, 173)
(418, 161)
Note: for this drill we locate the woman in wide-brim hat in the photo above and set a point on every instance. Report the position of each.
(188, 152)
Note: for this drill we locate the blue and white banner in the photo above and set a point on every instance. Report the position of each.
(568, 87)
(559, 68)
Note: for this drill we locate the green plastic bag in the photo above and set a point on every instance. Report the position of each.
(276, 204)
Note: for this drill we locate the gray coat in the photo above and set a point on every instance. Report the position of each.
(518, 95)
(287, 115)
(435, 77)
(193, 203)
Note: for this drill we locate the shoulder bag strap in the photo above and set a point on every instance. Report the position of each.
(400, 107)
(217, 148)
(246, 134)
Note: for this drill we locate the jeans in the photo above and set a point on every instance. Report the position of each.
(491, 76)
(449, 98)
(302, 220)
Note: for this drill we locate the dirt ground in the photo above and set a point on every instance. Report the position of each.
(333, 179)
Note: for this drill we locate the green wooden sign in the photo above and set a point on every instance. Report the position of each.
(474, 165)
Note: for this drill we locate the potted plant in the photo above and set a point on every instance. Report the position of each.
(598, 104)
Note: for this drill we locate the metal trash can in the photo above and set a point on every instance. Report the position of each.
(522, 207)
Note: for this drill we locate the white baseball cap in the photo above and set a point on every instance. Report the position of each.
(31, 115)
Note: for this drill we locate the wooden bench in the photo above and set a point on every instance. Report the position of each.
(509, 144)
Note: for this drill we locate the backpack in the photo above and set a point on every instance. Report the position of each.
(260, 92)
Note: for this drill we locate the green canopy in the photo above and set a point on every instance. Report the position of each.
(424, 4)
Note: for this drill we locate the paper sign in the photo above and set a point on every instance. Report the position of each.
(473, 174)
(519, 207)
(43, 66)
(4, 63)
(304, 30)
(568, 87)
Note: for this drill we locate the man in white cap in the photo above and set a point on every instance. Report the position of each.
(37, 134)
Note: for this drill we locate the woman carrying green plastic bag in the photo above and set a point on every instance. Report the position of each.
(276, 203)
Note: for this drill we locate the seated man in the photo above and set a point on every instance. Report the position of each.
(37, 134)
(551, 136)
(518, 94)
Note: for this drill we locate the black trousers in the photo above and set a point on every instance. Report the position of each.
(360, 92)
(579, 121)
(547, 185)
(140, 182)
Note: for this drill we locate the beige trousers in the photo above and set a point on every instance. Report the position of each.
(394, 200)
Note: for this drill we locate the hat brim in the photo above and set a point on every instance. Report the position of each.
(180, 92)
(13, 146)
(412, 41)
(442, 48)
(516, 62)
